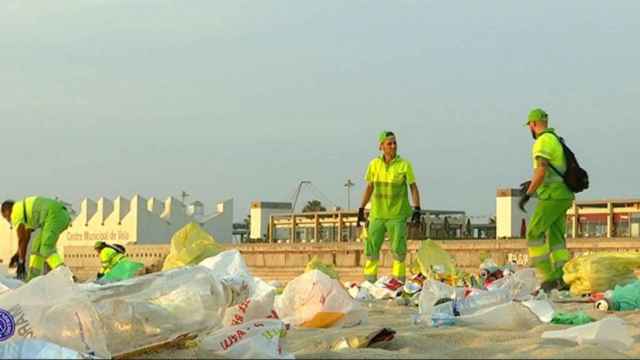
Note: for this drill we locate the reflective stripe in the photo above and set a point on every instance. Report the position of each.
(399, 270)
(54, 261)
(537, 251)
(36, 267)
(371, 268)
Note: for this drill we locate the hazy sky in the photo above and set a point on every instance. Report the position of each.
(245, 98)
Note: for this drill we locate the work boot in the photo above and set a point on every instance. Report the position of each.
(557, 284)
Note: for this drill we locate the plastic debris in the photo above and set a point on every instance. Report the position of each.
(52, 308)
(611, 332)
(435, 263)
(377, 339)
(124, 269)
(38, 349)
(316, 264)
(622, 298)
(574, 318)
(189, 246)
(259, 339)
(600, 272)
(159, 307)
(314, 300)
(543, 309)
(8, 284)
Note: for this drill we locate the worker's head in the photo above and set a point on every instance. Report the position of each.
(387, 144)
(7, 208)
(538, 121)
(99, 245)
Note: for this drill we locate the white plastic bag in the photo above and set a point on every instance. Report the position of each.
(611, 332)
(258, 307)
(37, 349)
(52, 308)
(314, 300)
(8, 284)
(259, 339)
(543, 309)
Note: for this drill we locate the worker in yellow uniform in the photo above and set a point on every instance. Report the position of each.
(388, 177)
(546, 232)
(110, 256)
(31, 214)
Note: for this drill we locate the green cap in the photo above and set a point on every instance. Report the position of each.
(384, 135)
(537, 115)
(99, 244)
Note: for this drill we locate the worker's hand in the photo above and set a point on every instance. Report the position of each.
(416, 216)
(361, 217)
(21, 270)
(523, 201)
(14, 261)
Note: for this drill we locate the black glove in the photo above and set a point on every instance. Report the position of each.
(417, 215)
(361, 217)
(14, 261)
(21, 270)
(99, 275)
(524, 188)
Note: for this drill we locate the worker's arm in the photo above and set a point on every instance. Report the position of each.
(367, 195)
(415, 195)
(538, 175)
(23, 241)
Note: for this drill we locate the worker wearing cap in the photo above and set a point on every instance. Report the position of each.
(31, 214)
(546, 232)
(387, 179)
(109, 256)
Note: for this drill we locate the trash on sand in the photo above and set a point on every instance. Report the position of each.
(38, 349)
(521, 284)
(378, 292)
(258, 339)
(189, 246)
(611, 332)
(314, 300)
(376, 339)
(600, 272)
(255, 308)
(574, 318)
(543, 309)
(316, 264)
(435, 263)
(8, 284)
(159, 307)
(622, 298)
(53, 309)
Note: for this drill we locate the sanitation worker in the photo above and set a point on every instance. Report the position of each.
(388, 177)
(31, 214)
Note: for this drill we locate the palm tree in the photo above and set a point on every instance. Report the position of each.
(313, 206)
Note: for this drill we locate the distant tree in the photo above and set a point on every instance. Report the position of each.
(313, 206)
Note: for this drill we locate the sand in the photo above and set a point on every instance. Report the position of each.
(415, 341)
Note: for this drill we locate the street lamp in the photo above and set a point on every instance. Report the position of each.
(349, 185)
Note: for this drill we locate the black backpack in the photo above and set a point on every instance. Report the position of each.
(576, 178)
(118, 248)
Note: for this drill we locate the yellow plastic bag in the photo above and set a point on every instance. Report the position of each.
(599, 272)
(433, 259)
(189, 246)
(316, 264)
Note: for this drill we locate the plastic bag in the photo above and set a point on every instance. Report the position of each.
(434, 262)
(600, 272)
(37, 349)
(258, 339)
(255, 308)
(52, 308)
(575, 318)
(124, 269)
(316, 264)
(627, 298)
(189, 246)
(611, 332)
(8, 284)
(159, 307)
(314, 300)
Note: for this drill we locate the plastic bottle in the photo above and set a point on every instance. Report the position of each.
(472, 304)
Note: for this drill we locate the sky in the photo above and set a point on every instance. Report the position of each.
(245, 98)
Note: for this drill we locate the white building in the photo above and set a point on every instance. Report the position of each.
(261, 213)
(136, 221)
(509, 218)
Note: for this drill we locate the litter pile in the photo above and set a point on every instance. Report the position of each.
(206, 298)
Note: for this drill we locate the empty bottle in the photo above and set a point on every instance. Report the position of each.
(487, 299)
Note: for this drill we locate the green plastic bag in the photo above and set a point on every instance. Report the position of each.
(123, 270)
(575, 318)
(431, 256)
(316, 264)
(627, 298)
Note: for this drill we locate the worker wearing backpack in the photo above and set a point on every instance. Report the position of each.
(546, 231)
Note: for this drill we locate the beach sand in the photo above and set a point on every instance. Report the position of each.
(465, 342)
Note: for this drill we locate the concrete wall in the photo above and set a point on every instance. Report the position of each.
(285, 261)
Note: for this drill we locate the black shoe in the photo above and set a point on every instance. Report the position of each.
(557, 284)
